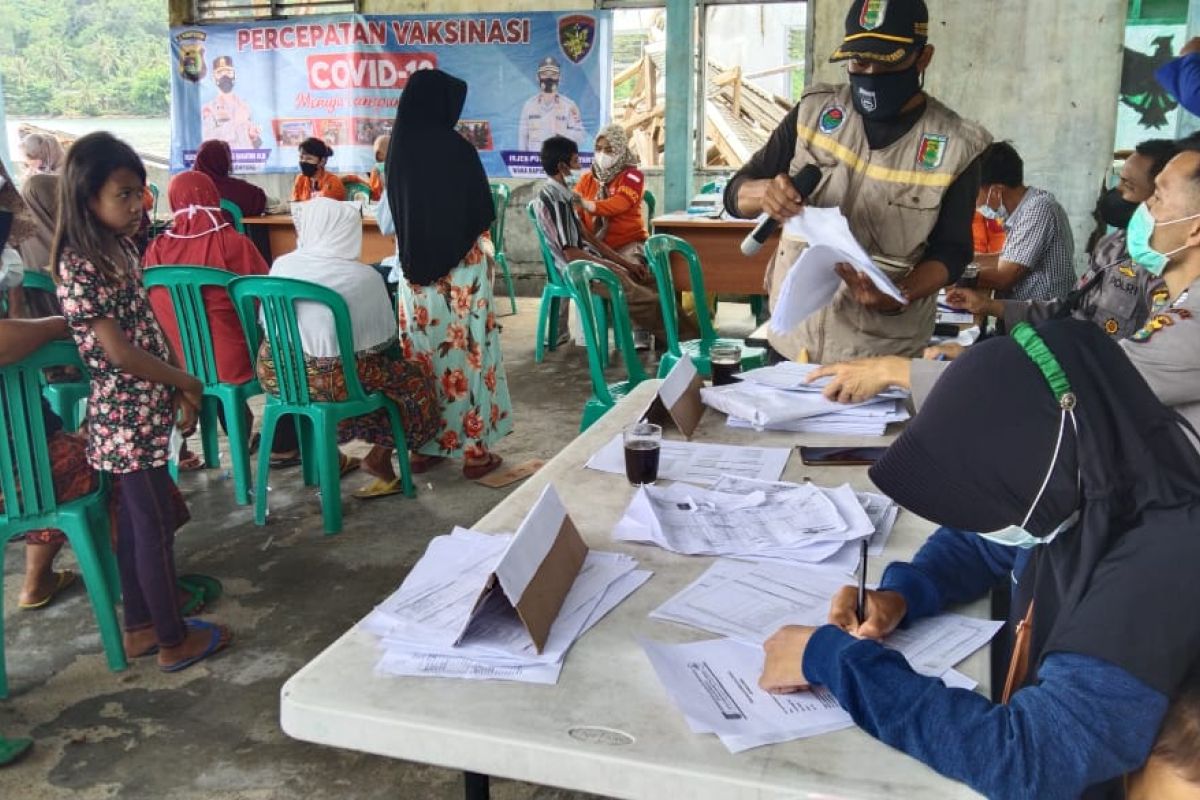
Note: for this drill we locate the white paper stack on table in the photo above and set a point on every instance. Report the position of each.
(780, 398)
(696, 462)
(812, 281)
(476, 605)
(715, 683)
(744, 518)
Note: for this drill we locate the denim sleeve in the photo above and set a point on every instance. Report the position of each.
(951, 568)
(1085, 722)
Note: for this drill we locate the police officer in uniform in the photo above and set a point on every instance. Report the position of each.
(228, 117)
(548, 113)
(902, 168)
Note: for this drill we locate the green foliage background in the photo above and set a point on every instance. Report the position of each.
(85, 57)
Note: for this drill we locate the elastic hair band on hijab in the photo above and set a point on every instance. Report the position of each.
(1041, 355)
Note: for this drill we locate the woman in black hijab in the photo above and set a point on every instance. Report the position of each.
(1088, 491)
(441, 205)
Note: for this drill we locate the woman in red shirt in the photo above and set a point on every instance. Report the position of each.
(313, 180)
(611, 194)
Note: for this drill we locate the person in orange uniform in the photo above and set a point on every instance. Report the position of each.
(313, 180)
(988, 235)
(611, 195)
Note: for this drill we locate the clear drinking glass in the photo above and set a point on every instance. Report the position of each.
(726, 360)
(643, 444)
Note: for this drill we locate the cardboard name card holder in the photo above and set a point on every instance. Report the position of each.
(678, 400)
(535, 573)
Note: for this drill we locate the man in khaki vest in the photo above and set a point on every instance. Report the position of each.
(901, 167)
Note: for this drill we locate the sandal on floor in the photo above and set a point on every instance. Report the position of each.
(215, 645)
(420, 464)
(192, 462)
(64, 579)
(347, 464)
(380, 488)
(285, 461)
(474, 472)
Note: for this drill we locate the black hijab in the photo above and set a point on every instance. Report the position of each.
(1123, 583)
(436, 188)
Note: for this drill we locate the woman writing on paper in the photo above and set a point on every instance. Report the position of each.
(1096, 530)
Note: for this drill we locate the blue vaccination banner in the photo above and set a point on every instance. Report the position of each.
(264, 87)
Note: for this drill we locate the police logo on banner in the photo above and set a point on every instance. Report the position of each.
(832, 119)
(576, 36)
(873, 12)
(932, 150)
(191, 64)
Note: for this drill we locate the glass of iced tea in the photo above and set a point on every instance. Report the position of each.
(726, 360)
(643, 443)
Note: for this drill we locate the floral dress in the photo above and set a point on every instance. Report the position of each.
(129, 418)
(450, 326)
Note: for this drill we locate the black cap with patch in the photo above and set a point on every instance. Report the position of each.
(884, 31)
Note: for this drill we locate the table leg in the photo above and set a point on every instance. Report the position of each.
(476, 786)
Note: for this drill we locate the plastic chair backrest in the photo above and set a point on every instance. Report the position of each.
(651, 204)
(153, 191)
(185, 284)
(38, 280)
(24, 454)
(581, 275)
(235, 213)
(500, 194)
(278, 298)
(552, 274)
(659, 248)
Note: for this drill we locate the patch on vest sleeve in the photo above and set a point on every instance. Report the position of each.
(932, 150)
(832, 118)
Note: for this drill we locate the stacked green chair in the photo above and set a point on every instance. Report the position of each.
(500, 194)
(651, 204)
(186, 284)
(235, 213)
(316, 422)
(554, 293)
(582, 275)
(658, 253)
(66, 399)
(25, 463)
(356, 189)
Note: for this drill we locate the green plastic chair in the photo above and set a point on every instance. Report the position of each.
(658, 253)
(64, 398)
(581, 275)
(25, 462)
(154, 193)
(651, 204)
(500, 194)
(356, 189)
(235, 212)
(317, 422)
(553, 293)
(187, 284)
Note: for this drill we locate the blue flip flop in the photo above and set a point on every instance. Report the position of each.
(215, 645)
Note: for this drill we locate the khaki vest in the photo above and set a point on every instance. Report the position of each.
(891, 198)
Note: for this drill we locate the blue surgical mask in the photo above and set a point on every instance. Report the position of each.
(996, 214)
(1137, 240)
(1018, 535)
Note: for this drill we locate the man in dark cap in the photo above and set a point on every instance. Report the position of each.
(228, 117)
(548, 113)
(900, 166)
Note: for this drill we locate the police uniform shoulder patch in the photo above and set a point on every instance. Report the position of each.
(932, 150)
(832, 118)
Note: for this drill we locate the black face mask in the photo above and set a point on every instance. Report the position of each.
(880, 97)
(1115, 210)
(307, 169)
(225, 84)
(549, 86)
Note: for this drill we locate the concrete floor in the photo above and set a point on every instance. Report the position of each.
(212, 731)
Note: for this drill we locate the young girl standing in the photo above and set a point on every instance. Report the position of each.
(135, 395)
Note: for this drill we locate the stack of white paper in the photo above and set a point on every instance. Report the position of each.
(791, 523)
(779, 398)
(699, 463)
(431, 627)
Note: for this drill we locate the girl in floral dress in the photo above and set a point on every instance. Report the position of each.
(441, 203)
(136, 392)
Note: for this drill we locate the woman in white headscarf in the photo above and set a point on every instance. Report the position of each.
(329, 241)
(611, 193)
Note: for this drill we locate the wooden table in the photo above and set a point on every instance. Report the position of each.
(274, 235)
(608, 727)
(718, 243)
